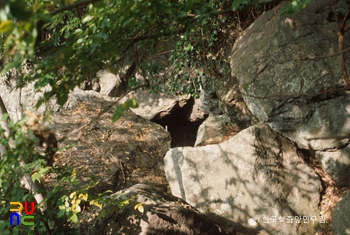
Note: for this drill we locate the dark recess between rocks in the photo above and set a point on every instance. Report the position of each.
(183, 132)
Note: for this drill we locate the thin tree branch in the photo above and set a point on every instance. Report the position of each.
(4, 125)
(342, 28)
(340, 34)
(295, 95)
(72, 6)
(337, 137)
(141, 38)
(342, 58)
(346, 17)
(326, 56)
(347, 28)
(152, 36)
(334, 12)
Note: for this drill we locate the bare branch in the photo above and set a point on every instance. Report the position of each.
(326, 56)
(4, 125)
(342, 57)
(347, 28)
(72, 6)
(346, 17)
(337, 137)
(295, 95)
(334, 12)
(340, 34)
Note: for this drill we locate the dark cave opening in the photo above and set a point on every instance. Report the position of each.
(183, 132)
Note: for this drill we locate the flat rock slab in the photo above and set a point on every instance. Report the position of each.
(159, 214)
(255, 179)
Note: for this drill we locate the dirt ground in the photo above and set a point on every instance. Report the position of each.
(114, 156)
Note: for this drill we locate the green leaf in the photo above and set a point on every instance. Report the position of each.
(46, 18)
(76, 208)
(36, 177)
(73, 218)
(6, 26)
(18, 10)
(83, 196)
(78, 31)
(61, 97)
(4, 117)
(41, 83)
(14, 64)
(95, 203)
(117, 113)
(132, 103)
(87, 18)
(122, 108)
(139, 207)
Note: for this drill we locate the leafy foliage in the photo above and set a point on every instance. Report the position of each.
(11, 172)
(64, 42)
(122, 108)
(71, 206)
(70, 45)
(67, 204)
(295, 6)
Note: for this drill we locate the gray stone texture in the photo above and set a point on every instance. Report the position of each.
(253, 175)
(282, 86)
(110, 84)
(160, 214)
(336, 164)
(213, 130)
(285, 85)
(341, 217)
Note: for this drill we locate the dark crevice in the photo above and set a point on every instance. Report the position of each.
(310, 159)
(183, 132)
(327, 96)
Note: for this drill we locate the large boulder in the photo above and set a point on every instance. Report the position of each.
(341, 216)
(149, 211)
(18, 100)
(118, 154)
(255, 179)
(231, 103)
(284, 86)
(215, 129)
(337, 165)
(153, 106)
(111, 84)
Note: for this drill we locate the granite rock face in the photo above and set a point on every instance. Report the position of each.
(214, 130)
(251, 178)
(341, 216)
(161, 213)
(288, 82)
(281, 83)
(111, 84)
(337, 165)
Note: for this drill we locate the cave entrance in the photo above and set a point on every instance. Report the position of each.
(183, 132)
